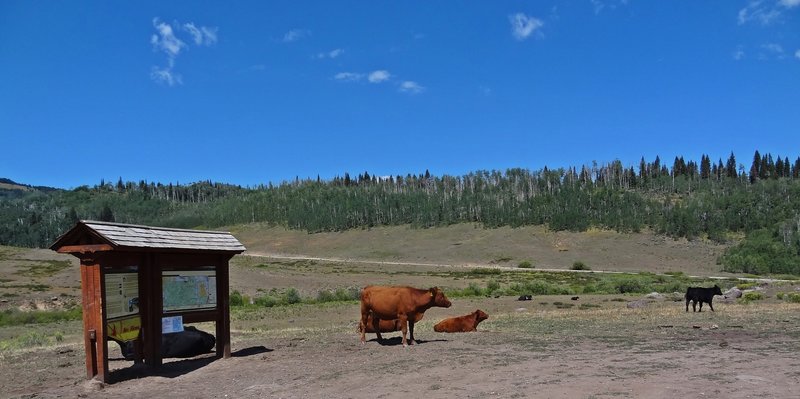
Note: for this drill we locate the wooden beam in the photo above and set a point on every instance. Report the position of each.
(69, 249)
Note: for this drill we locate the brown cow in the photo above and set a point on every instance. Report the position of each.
(386, 325)
(466, 323)
(402, 303)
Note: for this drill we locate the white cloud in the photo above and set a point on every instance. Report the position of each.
(166, 40)
(330, 54)
(378, 76)
(522, 26)
(790, 3)
(773, 48)
(202, 35)
(411, 87)
(165, 76)
(758, 11)
(349, 76)
(295, 35)
(738, 54)
(797, 54)
(599, 5)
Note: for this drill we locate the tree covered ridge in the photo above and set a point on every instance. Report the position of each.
(687, 199)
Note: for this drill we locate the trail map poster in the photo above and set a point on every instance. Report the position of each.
(122, 295)
(189, 290)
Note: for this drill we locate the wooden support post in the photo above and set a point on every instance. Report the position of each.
(223, 323)
(93, 320)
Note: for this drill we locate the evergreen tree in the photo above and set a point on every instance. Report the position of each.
(106, 215)
(705, 167)
(755, 168)
(730, 167)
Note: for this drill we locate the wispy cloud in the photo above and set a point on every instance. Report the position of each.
(797, 54)
(379, 76)
(165, 76)
(761, 12)
(411, 87)
(523, 26)
(738, 55)
(330, 54)
(773, 50)
(295, 35)
(203, 36)
(349, 76)
(599, 5)
(167, 41)
(790, 3)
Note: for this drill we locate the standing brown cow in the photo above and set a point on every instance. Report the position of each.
(466, 323)
(402, 303)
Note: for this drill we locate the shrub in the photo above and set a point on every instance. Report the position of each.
(745, 286)
(780, 295)
(266, 301)
(525, 264)
(630, 285)
(292, 296)
(751, 296)
(578, 265)
(793, 297)
(236, 298)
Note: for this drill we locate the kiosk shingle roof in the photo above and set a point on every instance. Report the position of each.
(134, 236)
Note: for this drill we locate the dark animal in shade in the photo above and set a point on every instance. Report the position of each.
(700, 294)
(525, 297)
(188, 343)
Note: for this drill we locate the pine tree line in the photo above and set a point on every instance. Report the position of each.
(687, 199)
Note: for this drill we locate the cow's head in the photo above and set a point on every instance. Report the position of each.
(717, 291)
(438, 298)
(480, 316)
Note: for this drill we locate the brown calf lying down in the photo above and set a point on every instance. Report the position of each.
(466, 323)
(386, 325)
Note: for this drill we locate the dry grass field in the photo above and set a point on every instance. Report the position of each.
(552, 346)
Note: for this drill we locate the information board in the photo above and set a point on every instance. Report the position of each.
(122, 295)
(189, 290)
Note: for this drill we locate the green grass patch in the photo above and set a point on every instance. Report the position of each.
(525, 264)
(31, 287)
(12, 317)
(31, 339)
(751, 296)
(43, 268)
(578, 265)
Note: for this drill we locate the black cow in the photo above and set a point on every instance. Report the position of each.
(525, 297)
(700, 294)
(188, 343)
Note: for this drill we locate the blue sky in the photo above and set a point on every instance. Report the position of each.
(252, 92)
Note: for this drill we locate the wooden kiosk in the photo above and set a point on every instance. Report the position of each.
(135, 277)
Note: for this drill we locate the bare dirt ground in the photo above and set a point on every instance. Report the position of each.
(525, 349)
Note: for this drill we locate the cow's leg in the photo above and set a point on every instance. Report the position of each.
(376, 324)
(709, 305)
(411, 330)
(687, 303)
(404, 326)
(694, 305)
(363, 323)
(701, 306)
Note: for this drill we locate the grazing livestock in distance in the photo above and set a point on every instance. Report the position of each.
(401, 303)
(466, 323)
(386, 325)
(700, 294)
(525, 297)
(188, 343)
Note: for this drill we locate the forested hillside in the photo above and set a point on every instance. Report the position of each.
(713, 200)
